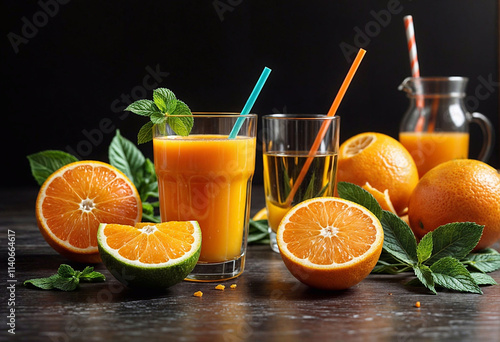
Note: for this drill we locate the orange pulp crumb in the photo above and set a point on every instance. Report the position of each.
(198, 294)
(220, 287)
(417, 304)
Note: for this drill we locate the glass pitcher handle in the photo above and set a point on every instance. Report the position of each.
(487, 129)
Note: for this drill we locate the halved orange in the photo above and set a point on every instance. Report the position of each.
(150, 255)
(75, 199)
(330, 243)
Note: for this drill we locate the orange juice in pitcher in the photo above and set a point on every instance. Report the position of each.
(435, 128)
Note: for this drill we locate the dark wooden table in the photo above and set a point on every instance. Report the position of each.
(267, 305)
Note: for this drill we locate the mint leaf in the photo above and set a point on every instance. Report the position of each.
(66, 284)
(181, 125)
(357, 194)
(143, 107)
(399, 240)
(45, 163)
(483, 262)
(42, 283)
(66, 271)
(125, 156)
(449, 273)
(455, 240)
(165, 100)
(424, 248)
(158, 118)
(425, 276)
(145, 133)
(483, 279)
(93, 276)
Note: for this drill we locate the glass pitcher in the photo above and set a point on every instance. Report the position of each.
(435, 128)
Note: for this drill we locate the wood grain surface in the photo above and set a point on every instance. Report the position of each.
(268, 303)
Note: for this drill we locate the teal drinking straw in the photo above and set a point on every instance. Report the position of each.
(251, 100)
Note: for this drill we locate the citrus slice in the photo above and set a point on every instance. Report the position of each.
(150, 255)
(382, 197)
(75, 199)
(260, 215)
(330, 243)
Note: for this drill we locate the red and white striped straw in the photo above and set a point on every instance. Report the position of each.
(412, 46)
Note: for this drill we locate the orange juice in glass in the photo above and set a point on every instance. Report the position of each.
(430, 149)
(207, 177)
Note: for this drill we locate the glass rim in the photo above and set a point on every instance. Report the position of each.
(314, 117)
(440, 78)
(221, 115)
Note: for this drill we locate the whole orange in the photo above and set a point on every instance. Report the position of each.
(460, 190)
(381, 161)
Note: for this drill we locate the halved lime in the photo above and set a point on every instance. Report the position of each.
(150, 255)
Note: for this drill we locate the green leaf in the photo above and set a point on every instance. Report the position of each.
(258, 232)
(357, 194)
(145, 133)
(449, 273)
(483, 262)
(42, 283)
(165, 100)
(143, 107)
(424, 248)
(89, 275)
(322, 190)
(158, 118)
(66, 271)
(86, 270)
(455, 240)
(483, 279)
(425, 276)
(45, 163)
(126, 157)
(150, 218)
(399, 240)
(66, 284)
(181, 125)
(309, 193)
(147, 208)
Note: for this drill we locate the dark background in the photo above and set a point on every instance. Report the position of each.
(78, 64)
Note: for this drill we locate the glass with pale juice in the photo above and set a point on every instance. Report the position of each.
(207, 176)
(435, 128)
(300, 162)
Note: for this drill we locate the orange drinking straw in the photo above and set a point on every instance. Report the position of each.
(324, 126)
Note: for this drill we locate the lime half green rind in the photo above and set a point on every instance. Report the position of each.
(148, 276)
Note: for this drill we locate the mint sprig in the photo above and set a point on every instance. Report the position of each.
(165, 108)
(442, 258)
(66, 279)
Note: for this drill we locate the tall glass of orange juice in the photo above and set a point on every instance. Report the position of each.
(207, 177)
(435, 128)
